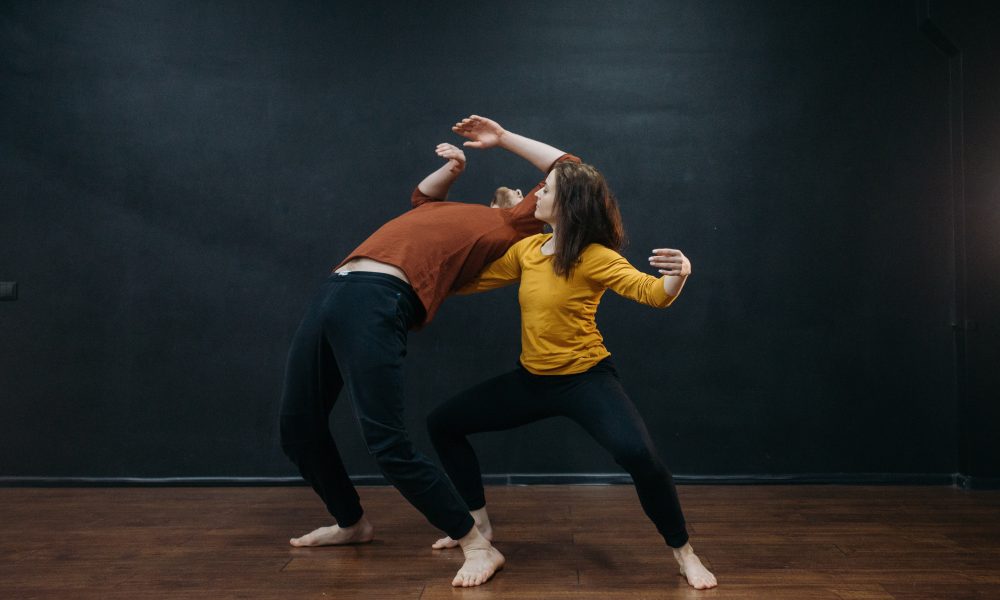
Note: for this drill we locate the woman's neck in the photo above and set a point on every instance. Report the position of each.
(549, 247)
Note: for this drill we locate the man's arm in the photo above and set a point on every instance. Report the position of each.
(436, 185)
(487, 133)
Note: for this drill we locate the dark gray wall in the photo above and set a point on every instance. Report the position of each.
(178, 178)
(977, 126)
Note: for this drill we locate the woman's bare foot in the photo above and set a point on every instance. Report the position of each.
(482, 560)
(697, 575)
(360, 533)
(482, 524)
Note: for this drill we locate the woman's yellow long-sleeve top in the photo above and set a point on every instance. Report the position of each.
(559, 333)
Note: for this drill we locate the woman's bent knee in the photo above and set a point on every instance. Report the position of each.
(437, 424)
(640, 460)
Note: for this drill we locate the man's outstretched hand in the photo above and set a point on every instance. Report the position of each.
(482, 132)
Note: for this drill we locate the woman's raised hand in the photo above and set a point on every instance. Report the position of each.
(483, 132)
(670, 262)
(454, 156)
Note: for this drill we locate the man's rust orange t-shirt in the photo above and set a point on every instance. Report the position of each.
(443, 245)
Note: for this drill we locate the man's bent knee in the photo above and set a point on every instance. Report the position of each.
(296, 435)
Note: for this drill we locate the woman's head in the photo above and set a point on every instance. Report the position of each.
(578, 204)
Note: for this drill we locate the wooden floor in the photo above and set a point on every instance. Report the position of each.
(561, 542)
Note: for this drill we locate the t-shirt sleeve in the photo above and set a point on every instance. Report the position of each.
(612, 271)
(417, 198)
(526, 208)
(501, 272)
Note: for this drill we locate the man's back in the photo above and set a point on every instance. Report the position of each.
(442, 245)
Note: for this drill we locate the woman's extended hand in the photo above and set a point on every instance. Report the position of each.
(670, 262)
(454, 156)
(484, 133)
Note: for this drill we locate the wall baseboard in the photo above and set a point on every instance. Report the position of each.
(968, 482)
(957, 479)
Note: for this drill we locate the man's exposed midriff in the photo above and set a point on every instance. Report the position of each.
(372, 266)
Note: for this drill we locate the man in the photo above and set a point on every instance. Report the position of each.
(354, 336)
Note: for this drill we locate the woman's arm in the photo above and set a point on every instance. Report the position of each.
(487, 133)
(611, 270)
(436, 185)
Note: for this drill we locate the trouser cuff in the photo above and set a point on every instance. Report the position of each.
(347, 519)
(460, 531)
(677, 540)
(475, 502)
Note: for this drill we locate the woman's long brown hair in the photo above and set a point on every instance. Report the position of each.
(586, 213)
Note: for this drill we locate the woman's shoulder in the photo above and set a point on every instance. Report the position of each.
(599, 254)
(597, 260)
(533, 240)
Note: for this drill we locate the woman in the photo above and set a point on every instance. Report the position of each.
(565, 369)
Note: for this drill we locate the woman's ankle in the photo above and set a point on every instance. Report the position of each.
(474, 539)
(480, 516)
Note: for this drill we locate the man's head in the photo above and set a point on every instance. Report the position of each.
(506, 198)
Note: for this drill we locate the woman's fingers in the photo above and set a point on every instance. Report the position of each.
(671, 269)
(467, 123)
(669, 261)
(666, 256)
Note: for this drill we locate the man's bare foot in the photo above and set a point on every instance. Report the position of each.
(482, 560)
(482, 524)
(360, 533)
(697, 575)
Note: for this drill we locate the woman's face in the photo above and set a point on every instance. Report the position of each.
(545, 210)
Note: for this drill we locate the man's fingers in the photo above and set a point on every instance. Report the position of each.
(666, 252)
(446, 150)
